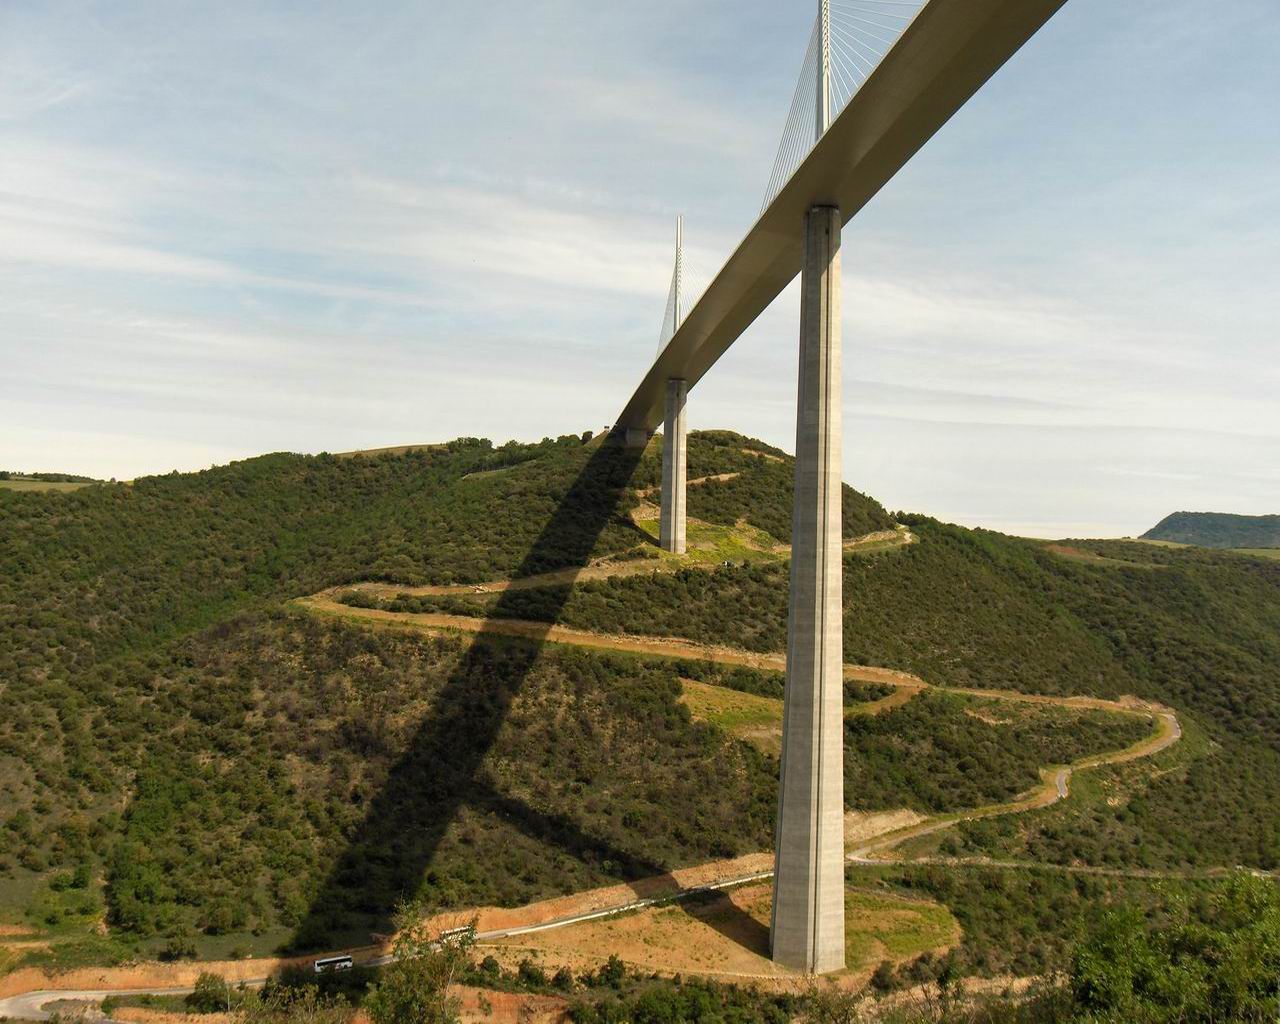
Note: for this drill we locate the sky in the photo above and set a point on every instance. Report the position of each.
(234, 228)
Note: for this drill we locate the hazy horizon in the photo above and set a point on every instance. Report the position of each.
(256, 229)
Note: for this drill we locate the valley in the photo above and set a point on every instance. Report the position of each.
(486, 702)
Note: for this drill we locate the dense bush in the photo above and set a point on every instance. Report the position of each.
(935, 754)
(1179, 955)
(263, 802)
(661, 1002)
(1198, 630)
(95, 583)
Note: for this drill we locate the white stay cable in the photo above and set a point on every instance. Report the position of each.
(860, 33)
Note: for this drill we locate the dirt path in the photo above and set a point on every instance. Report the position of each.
(24, 990)
(606, 568)
(697, 481)
(1055, 779)
(876, 835)
(905, 685)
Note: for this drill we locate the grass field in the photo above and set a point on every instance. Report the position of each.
(758, 720)
(1255, 552)
(40, 485)
(1259, 552)
(709, 544)
(879, 926)
(393, 450)
(1092, 558)
(727, 933)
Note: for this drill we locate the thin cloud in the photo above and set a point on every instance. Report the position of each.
(274, 228)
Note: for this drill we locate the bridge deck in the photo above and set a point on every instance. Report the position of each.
(943, 58)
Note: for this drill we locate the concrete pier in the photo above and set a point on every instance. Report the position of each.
(674, 465)
(807, 931)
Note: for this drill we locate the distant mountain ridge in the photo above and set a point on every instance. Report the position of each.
(1218, 530)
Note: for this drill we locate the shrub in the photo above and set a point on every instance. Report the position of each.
(211, 994)
(531, 974)
(563, 980)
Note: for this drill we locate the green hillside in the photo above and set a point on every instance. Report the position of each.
(1194, 629)
(139, 740)
(210, 767)
(1217, 530)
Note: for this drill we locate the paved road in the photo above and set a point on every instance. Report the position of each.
(37, 1005)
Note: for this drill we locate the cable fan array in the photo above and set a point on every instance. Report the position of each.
(672, 316)
(859, 33)
(680, 296)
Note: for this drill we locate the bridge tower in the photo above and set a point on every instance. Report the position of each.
(807, 931)
(671, 524)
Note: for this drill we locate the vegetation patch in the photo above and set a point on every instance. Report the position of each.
(710, 544)
(266, 801)
(1259, 552)
(933, 755)
(742, 714)
(224, 776)
(18, 483)
(882, 926)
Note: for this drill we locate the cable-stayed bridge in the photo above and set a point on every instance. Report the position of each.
(878, 79)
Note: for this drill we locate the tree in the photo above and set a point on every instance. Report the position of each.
(613, 972)
(531, 973)
(415, 986)
(282, 1004)
(831, 1004)
(563, 979)
(211, 994)
(883, 979)
(179, 947)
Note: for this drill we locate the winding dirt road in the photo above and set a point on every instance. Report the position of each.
(39, 1002)
(1056, 779)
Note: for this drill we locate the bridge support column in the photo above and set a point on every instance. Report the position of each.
(674, 459)
(807, 931)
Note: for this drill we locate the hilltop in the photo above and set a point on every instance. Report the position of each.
(1217, 530)
(197, 757)
(15, 481)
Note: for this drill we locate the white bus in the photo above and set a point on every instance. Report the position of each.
(334, 963)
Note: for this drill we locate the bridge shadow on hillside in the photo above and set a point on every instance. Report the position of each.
(391, 853)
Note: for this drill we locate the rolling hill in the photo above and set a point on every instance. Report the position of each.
(194, 760)
(1217, 530)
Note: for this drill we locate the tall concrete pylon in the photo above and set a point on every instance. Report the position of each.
(807, 931)
(671, 523)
